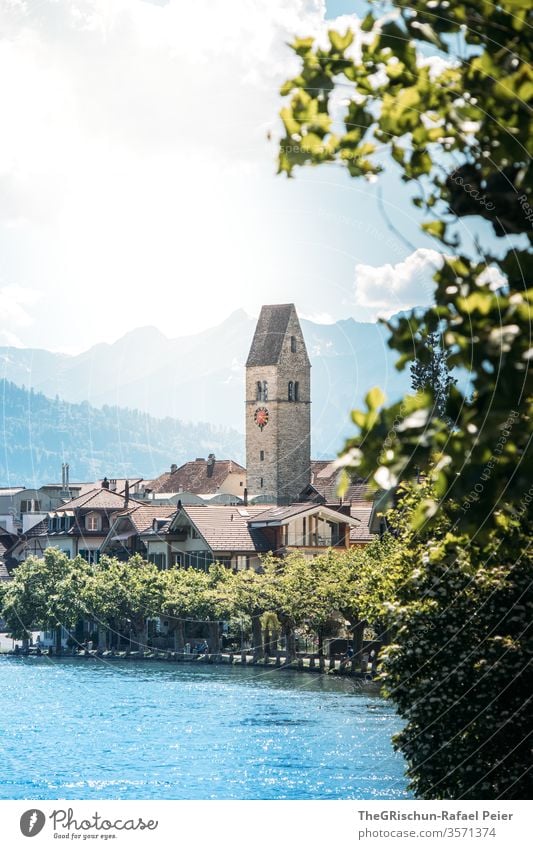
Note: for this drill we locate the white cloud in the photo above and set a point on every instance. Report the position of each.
(388, 289)
(14, 312)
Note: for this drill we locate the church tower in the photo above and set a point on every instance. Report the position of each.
(278, 407)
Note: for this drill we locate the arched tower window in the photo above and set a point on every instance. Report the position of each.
(296, 390)
(293, 344)
(261, 391)
(290, 393)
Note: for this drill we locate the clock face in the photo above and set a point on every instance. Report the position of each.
(261, 417)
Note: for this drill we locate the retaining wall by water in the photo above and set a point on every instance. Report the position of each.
(351, 667)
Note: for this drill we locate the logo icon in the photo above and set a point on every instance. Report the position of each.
(32, 822)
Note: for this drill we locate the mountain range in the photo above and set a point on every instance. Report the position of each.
(39, 434)
(200, 378)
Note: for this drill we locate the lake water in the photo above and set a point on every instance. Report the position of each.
(76, 729)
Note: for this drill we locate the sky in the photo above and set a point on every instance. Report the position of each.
(138, 185)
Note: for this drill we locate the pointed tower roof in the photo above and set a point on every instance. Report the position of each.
(269, 334)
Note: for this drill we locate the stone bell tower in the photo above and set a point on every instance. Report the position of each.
(278, 407)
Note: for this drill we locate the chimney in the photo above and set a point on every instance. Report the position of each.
(105, 483)
(67, 476)
(210, 465)
(126, 493)
(173, 468)
(245, 498)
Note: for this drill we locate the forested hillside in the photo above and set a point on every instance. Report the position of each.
(38, 434)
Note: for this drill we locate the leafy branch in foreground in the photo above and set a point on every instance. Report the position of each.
(458, 127)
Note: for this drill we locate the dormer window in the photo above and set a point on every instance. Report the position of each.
(92, 523)
(293, 344)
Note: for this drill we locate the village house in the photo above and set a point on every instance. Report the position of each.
(199, 481)
(195, 536)
(79, 527)
(128, 528)
(21, 508)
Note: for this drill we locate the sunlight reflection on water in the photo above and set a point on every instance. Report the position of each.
(79, 729)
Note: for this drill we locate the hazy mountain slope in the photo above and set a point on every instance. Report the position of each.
(38, 434)
(201, 377)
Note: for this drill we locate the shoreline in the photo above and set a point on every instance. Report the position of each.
(333, 666)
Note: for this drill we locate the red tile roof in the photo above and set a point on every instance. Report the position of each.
(142, 517)
(324, 478)
(193, 477)
(361, 533)
(226, 528)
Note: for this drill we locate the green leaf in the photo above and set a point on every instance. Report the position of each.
(435, 228)
(375, 398)
(340, 42)
(368, 22)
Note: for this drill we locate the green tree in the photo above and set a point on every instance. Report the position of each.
(460, 135)
(184, 598)
(45, 593)
(122, 596)
(430, 371)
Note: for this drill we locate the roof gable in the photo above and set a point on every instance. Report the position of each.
(96, 499)
(282, 515)
(201, 477)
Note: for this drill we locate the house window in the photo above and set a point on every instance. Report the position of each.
(195, 534)
(224, 561)
(243, 562)
(177, 559)
(290, 393)
(296, 390)
(261, 455)
(159, 560)
(92, 523)
(91, 555)
(293, 344)
(198, 559)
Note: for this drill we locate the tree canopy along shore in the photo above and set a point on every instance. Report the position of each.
(288, 594)
(443, 92)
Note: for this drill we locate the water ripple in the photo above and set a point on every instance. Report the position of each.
(86, 730)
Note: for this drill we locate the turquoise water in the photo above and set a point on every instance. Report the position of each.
(75, 729)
